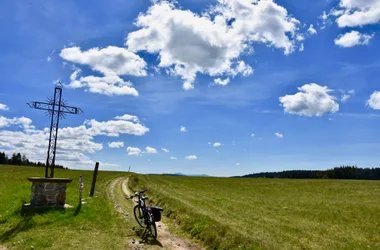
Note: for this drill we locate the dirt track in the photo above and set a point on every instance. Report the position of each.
(166, 239)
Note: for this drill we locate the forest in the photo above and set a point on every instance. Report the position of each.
(342, 172)
(21, 160)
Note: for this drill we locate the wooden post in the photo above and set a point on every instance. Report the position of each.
(81, 186)
(94, 179)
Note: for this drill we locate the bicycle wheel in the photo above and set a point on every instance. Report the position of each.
(139, 215)
(153, 229)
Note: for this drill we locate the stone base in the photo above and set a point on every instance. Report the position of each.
(48, 191)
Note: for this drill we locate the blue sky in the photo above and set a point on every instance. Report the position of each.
(225, 70)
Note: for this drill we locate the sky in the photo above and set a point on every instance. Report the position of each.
(222, 88)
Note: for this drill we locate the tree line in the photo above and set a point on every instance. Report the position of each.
(342, 172)
(21, 160)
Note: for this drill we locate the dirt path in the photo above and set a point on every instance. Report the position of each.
(166, 239)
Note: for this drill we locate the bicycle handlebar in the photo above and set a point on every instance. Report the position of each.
(138, 193)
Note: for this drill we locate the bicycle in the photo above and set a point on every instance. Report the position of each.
(146, 216)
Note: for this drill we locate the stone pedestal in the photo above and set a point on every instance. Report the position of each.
(48, 191)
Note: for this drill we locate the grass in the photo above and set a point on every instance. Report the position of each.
(95, 225)
(226, 213)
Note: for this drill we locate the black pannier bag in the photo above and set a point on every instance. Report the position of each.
(156, 211)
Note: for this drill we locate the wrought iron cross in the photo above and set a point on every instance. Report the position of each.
(57, 109)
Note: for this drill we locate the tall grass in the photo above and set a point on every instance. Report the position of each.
(95, 225)
(271, 213)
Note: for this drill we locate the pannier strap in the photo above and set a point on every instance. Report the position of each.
(158, 208)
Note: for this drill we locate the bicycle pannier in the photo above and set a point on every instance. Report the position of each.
(156, 211)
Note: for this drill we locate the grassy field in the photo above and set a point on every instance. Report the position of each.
(96, 225)
(270, 213)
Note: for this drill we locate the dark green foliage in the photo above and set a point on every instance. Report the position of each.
(343, 172)
(21, 160)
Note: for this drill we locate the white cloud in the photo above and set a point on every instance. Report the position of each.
(107, 85)
(112, 62)
(252, 135)
(352, 38)
(191, 157)
(23, 122)
(188, 43)
(238, 164)
(312, 100)
(127, 117)
(150, 150)
(115, 127)
(345, 97)
(116, 144)
(374, 100)
(109, 61)
(73, 142)
(355, 13)
(3, 107)
(311, 30)
(351, 92)
(173, 158)
(222, 82)
(165, 150)
(279, 135)
(183, 129)
(134, 151)
(217, 144)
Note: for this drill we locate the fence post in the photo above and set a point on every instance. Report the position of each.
(81, 185)
(94, 179)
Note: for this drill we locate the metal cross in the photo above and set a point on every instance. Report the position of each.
(56, 108)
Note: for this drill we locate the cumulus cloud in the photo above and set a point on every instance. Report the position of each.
(127, 117)
(112, 62)
(165, 150)
(279, 135)
(109, 61)
(3, 107)
(116, 144)
(173, 158)
(211, 43)
(107, 85)
(191, 157)
(23, 122)
(115, 127)
(311, 30)
(183, 129)
(134, 151)
(312, 100)
(374, 100)
(352, 38)
(222, 82)
(355, 13)
(150, 150)
(74, 143)
(217, 144)
(345, 97)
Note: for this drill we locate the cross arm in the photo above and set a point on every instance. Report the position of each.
(49, 107)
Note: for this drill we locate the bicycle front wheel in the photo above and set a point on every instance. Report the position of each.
(139, 215)
(153, 229)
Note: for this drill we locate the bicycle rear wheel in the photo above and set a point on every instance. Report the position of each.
(139, 215)
(153, 229)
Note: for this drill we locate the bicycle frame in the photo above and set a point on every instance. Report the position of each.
(147, 215)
